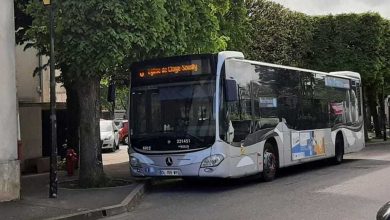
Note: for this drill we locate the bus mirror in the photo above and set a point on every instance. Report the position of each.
(231, 90)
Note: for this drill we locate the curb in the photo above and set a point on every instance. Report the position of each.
(126, 205)
(373, 144)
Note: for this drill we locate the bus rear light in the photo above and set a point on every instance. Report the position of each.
(212, 161)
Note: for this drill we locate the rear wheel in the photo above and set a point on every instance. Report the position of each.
(270, 164)
(339, 150)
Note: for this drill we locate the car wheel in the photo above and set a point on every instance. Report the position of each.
(269, 163)
(126, 140)
(114, 147)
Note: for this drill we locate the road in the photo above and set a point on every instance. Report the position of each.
(353, 190)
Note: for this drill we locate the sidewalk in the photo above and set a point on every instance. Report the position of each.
(75, 203)
(377, 142)
(373, 141)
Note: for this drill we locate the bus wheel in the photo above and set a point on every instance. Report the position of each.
(269, 162)
(339, 150)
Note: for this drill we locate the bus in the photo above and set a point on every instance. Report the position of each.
(220, 115)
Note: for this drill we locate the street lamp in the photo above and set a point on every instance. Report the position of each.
(53, 118)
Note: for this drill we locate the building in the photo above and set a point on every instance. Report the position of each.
(33, 94)
(9, 163)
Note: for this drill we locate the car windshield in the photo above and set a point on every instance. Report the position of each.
(105, 126)
(174, 108)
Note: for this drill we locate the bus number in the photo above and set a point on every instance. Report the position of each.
(148, 148)
(183, 141)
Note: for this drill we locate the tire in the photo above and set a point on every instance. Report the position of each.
(270, 163)
(126, 140)
(114, 147)
(339, 150)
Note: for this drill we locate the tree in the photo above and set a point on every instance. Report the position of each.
(92, 38)
(351, 42)
(235, 25)
(278, 35)
(22, 21)
(98, 39)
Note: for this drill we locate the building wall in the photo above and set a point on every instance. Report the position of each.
(35, 89)
(9, 164)
(31, 131)
(33, 96)
(60, 89)
(28, 87)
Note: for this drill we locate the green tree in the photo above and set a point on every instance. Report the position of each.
(235, 25)
(278, 35)
(98, 39)
(352, 42)
(92, 38)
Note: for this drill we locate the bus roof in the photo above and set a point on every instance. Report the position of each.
(342, 74)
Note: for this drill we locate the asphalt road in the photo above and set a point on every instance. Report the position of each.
(355, 190)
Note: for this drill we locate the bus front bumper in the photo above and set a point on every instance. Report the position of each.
(147, 167)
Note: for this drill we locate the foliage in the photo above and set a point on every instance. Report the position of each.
(121, 96)
(278, 35)
(22, 21)
(235, 25)
(349, 42)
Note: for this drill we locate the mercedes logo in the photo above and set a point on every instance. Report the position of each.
(169, 161)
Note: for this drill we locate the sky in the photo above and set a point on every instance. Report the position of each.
(324, 7)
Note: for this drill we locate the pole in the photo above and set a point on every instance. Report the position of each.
(53, 118)
(383, 111)
(113, 109)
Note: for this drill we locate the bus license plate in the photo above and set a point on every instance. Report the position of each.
(170, 172)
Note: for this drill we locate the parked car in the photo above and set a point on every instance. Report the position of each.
(119, 123)
(109, 136)
(384, 212)
(124, 133)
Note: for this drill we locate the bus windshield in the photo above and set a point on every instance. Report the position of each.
(182, 112)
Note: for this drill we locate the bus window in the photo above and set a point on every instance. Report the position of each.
(239, 118)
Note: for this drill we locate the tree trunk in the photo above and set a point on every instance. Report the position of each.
(73, 113)
(365, 115)
(91, 165)
(372, 104)
(382, 116)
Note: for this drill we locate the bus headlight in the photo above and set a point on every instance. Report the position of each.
(134, 162)
(212, 161)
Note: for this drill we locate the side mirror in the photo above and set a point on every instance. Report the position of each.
(231, 90)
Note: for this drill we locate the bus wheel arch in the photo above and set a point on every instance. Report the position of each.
(270, 160)
(339, 148)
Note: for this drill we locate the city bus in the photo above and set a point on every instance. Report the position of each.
(220, 115)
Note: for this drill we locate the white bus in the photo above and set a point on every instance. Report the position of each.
(219, 115)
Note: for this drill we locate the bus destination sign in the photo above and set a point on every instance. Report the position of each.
(168, 70)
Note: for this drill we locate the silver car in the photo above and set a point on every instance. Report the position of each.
(109, 136)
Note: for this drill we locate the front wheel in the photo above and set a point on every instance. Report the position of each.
(126, 139)
(339, 151)
(269, 163)
(114, 147)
